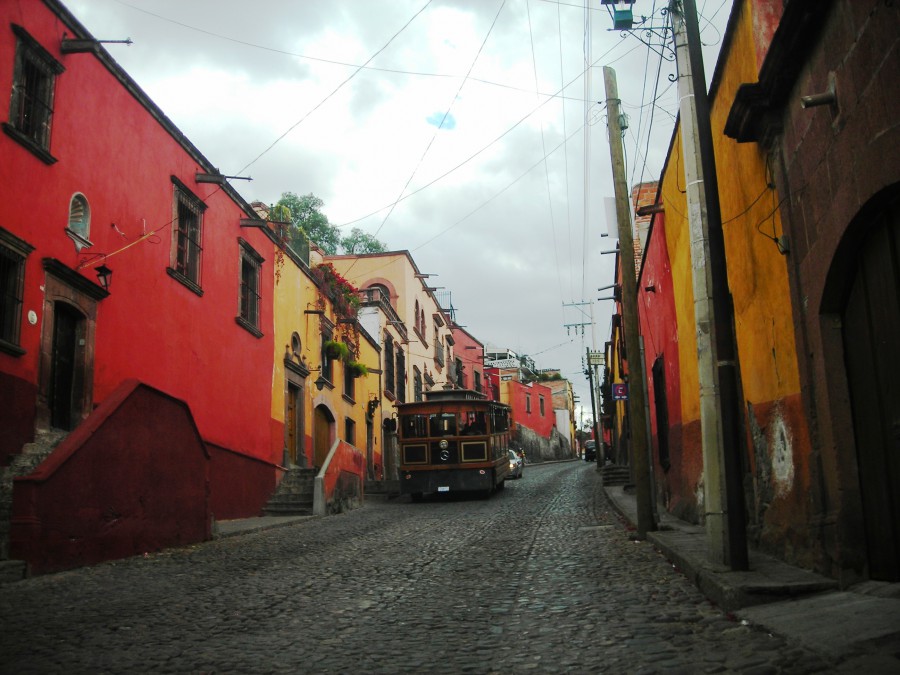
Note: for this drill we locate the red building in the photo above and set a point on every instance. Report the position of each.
(468, 359)
(96, 179)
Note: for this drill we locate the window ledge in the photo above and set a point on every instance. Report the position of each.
(249, 327)
(10, 348)
(180, 278)
(29, 144)
(349, 399)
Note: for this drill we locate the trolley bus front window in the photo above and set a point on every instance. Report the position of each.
(414, 426)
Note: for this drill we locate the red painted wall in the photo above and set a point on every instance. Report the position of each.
(240, 486)
(542, 425)
(659, 328)
(151, 327)
(132, 478)
(471, 352)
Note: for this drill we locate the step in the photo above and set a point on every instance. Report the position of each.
(12, 570)
(288, 510)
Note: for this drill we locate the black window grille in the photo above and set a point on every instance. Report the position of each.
(13, 252)
(12, 267)
(249, 302)
(188, 229)
(401, 376)
(417, 385)
(389, 364)
(34, 78)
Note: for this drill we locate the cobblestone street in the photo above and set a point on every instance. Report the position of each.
(542, 577)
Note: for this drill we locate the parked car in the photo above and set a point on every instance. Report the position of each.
(590, 451)
(516, 465)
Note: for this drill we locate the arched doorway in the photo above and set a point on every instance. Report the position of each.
(323, 434)
(870, 324)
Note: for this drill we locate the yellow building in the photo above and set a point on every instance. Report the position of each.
(322, 392)
(400, 312)
(776, 453)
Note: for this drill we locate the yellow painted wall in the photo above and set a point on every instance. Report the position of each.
(757, 272)
(294, 293)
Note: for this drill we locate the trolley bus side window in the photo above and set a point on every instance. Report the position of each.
(473, 423)
(499, 419)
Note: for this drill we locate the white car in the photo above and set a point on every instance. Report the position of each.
(516, 465)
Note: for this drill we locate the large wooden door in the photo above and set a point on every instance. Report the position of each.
(65, 375)
(294, 430)
(871, 332)
(322, 434)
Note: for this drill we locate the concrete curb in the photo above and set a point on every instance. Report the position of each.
(232, 528)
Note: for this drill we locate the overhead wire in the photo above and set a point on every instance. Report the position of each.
(544, 153)
(444, 117)
(562, 79)
(478, 152)
(338, 88)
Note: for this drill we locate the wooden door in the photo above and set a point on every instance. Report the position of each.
(65, 378)
(871, 332)
(322, 435)
(293, 428)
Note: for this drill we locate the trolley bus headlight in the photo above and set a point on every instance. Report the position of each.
(443, 445)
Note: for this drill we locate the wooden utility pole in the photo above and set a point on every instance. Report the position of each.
(640, 456)
(716, 354)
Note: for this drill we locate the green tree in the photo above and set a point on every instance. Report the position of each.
(359, 242)
(306, 215)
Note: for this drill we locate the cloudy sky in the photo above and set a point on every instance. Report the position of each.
(469, 132)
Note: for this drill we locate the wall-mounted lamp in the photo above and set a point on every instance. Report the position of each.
(104, 276)
(320, 383)
(372, 405)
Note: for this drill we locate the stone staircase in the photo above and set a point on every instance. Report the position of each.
(615, 474)
(21, 465)
(294, 496)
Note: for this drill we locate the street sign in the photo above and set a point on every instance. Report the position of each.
(620, 391)
(596, 358)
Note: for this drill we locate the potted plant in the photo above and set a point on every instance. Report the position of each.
(357, 369)
(336, 350)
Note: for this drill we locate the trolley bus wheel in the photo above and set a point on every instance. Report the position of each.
(415, 496)
(501, 485)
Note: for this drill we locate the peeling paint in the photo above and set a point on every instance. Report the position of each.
(781, 443)
(699, 495)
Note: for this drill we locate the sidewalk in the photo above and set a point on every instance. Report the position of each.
(859, 628)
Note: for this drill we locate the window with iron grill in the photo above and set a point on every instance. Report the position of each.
(13, 252)
(401, 376)
(388, 364)
(31, 105)
(349, 380)
(249, 302)
(417, 385)
(187, 233)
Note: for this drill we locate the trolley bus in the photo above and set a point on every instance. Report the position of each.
(454, 441)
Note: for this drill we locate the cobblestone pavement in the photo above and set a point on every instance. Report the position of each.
(542, 577)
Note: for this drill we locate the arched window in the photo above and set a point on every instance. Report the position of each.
(79, 226)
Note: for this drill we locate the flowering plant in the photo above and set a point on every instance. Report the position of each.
(342, 293)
